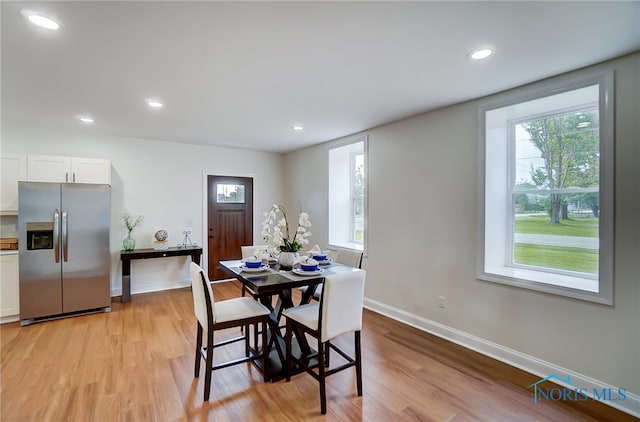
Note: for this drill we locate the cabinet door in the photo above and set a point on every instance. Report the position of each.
(14, 168)
(48, 168)
(9, 285)
(90, 170)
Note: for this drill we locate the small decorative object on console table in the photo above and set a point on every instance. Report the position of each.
(277, 231)
(130, 223)
(160, 243)
(187, 240)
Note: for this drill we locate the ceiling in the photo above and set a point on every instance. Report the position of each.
(241, 74)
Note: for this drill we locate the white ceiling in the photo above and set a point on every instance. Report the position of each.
(241, 74)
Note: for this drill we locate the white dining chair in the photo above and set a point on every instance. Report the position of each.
(246, 252)
(350, 257)
(338, 312)
(213, 316)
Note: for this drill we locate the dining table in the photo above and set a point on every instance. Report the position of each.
(275, 282)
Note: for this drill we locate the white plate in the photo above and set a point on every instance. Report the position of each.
(300, 271)
(327, 261)
(254, 270)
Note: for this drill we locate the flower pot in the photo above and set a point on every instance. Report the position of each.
(287, 259)
(129, 243)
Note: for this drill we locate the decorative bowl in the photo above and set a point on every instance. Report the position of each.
(308, 267)
(253, 263)
(320, 257)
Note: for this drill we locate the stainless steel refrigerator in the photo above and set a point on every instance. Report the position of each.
(65, 260)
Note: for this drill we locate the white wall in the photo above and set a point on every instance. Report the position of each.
(163, 182)
(422, 208)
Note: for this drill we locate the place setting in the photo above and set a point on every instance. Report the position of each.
(322, 257)
(254, 264)
(307, 266)
(312, 262)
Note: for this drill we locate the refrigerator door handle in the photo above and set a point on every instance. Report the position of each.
(65, 233)
(56, 235)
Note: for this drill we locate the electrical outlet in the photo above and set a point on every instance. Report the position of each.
(441, 301)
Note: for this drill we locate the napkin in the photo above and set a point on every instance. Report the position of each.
(314, 251)
(251, 258)
(306, 260)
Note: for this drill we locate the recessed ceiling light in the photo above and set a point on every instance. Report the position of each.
(481, 54)
(154, 103)
(85, 119)
(40, 20)
(298, 127)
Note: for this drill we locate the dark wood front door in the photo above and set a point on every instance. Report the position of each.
(230, 219)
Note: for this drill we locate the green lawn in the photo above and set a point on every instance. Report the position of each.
(539, 224)
(564, 258)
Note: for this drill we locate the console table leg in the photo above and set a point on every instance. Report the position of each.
(126, 281)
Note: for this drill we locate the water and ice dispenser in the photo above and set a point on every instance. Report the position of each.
(39, 236)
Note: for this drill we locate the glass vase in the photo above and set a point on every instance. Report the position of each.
(129, 243)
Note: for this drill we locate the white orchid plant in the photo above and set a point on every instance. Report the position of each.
(275, 230)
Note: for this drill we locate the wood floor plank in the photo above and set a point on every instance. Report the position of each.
(136, 364)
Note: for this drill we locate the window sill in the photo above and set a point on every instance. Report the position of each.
(558, 284)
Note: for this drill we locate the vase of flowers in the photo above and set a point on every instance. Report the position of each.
(275, 230)
(130, 223)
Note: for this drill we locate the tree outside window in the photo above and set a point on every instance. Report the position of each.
(546, 183)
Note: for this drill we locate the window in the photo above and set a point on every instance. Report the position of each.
(230, 193)
(546, 189)
(347, 193)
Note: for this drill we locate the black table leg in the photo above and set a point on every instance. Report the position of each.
(126, 281)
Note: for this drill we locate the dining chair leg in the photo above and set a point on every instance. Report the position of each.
(321, 380)
(247, 330)
(208, 366)
(255, 336)
(327, 353)
(265, 350)
(358, 363)
(244, 289)
(198, 346)
(287, 339)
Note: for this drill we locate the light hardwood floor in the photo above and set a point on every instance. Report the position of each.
(136, 364)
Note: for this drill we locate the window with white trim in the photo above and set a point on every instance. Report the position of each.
(546, 188)
(347, 193)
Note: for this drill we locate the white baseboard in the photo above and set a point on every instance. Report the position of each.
(533, 365)
(149, 288)
(10, 318)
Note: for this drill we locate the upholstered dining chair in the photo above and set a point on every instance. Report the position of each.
(213, 316)
(350, 257)
(248, 251)
(338, 312)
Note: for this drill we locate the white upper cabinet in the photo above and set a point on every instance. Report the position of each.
(91, 170)
(53, 168)
(14, 168)
(48, 168)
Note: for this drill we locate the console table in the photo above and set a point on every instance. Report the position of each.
(195, 252)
